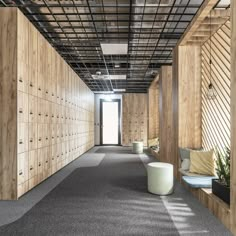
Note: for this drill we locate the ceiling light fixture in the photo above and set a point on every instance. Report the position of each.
(211, 93)
(114, 48)
(119, 90)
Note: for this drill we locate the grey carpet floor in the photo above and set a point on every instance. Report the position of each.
(110, 199)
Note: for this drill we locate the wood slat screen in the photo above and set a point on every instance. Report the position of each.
(216, 112)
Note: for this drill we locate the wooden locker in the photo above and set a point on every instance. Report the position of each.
(53, 158)
(54, 73)
(41, 136)
(22, 140)
(41, 155)
(33, 109)
(47, 162)
(33, 136)
(22, 173)
(47, 135)
(59, 131)
(59, 80)
(46, 111)
(33, 60)
(22, 106)
(42, 66)
(53, 128)
(40, 109)
(23, 55)
(53, 113)
(33, 168)
(47, 91)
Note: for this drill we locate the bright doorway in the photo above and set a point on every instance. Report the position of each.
(110, 122)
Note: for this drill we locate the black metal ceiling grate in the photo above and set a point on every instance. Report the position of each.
(76, 29)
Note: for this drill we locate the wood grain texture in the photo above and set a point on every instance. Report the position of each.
(166, 115)
(41, 131)
(186, 100)
(216, 113)
(233, 118)
(8, 103)
(134, 118)
(153, 110)
(215, 205)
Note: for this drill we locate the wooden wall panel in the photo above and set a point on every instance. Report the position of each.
(233, 117)
(134, 118)
(153, 110)
(8, 103)
(186, 99)
(47, 121)
(216, 113)
(166, 114)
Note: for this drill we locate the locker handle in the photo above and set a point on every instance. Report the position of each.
(46, 91)
(20, 80)
(31, 140)
(31, 113)
(40, 139)
(46, 138)
(20, 110)
(31, 168)
(39, 164)
(52, 94)
(39, 114)
(52, 158)
(39, 89)
(31, 85)
(21, 173)
(21, 142)
(57, 155)
(61, 98)
(52, 137)
(46, 161)
(52, 116)
(46, 115)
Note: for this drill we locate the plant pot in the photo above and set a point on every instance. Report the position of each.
(221, 191)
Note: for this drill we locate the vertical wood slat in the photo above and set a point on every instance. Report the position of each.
(216, 113)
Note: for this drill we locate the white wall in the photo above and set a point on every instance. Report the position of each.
(97, 98)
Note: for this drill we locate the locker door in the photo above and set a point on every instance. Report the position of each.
(33, 109)
(22, 106)
(33, 136)
(33, 168)
(22, 134)
(33, 60)
(22, 173)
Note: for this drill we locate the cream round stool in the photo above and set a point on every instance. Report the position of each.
(137, 147)
(160, 178)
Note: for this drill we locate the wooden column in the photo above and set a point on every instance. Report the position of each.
(153, 111)
(233, 118)
(166, 114)
(186, 99)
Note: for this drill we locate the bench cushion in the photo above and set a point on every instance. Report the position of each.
(198, 181)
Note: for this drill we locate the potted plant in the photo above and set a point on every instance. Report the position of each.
(221, 186)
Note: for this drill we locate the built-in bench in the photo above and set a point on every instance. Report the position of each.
(200, 187)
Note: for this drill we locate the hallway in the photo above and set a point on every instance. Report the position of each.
(104, 193)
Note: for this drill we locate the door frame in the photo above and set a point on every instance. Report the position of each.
(101, 122)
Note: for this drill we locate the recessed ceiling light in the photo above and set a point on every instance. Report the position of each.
(119, 90)
(109, 77)
(114, 48)
(117, 66)
(103, 92)
(98, 72)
